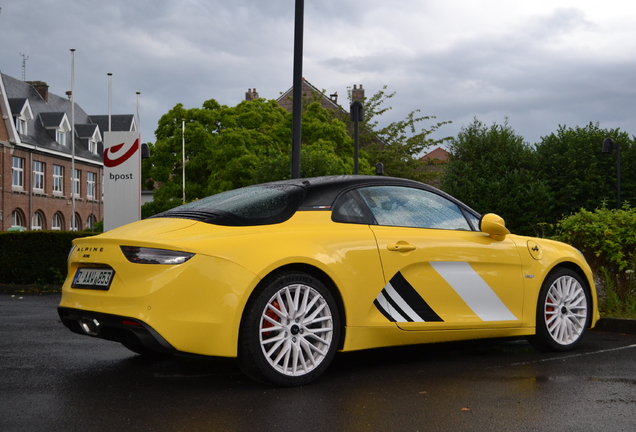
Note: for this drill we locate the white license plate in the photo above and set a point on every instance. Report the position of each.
(95, 278)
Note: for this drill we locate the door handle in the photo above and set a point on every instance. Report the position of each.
(401, 247)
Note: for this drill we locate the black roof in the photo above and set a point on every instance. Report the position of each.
(322, 191)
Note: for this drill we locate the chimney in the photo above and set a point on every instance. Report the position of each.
(357, 94)
(42, 88)
(251, 94)
(334, 97)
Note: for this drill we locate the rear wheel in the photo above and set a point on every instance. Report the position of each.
(290, 331)
(563, 311)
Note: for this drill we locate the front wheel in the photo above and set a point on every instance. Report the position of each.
(290, 331)
(563, 311)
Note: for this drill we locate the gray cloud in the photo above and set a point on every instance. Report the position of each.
(557, 64)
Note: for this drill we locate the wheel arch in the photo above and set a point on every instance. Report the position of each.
(319, 274)
(584, 277)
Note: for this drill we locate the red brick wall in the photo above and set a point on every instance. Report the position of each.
(28, 202)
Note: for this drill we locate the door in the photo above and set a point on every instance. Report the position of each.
(439, 272)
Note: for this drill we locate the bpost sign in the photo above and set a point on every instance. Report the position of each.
(122, 179)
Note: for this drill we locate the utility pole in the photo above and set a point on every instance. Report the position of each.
(297, 94)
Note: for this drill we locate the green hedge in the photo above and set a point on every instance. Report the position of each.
(35, 257)
(607, 238)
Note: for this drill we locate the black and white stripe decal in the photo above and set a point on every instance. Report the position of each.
(399, 302)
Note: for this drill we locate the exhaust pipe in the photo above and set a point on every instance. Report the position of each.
(90, 326)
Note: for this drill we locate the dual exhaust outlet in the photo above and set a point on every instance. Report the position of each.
(90, 326)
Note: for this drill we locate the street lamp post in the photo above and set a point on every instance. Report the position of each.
(356, 111)
(608, 147)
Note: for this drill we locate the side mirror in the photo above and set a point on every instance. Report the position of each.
(494, 226)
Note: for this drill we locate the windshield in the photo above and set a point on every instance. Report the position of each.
(253, 205)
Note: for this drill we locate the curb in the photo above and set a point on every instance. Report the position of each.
(616, 325)
(8, 288)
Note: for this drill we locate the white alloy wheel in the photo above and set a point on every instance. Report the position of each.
(296, 330)
(290, 330)
(563, 310)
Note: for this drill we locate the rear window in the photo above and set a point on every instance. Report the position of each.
(253, 205)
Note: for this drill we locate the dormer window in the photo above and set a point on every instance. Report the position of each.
(89, 136)
(22, 126)
(57, 124)
(92, 146)
(21, 110)
(60, 137)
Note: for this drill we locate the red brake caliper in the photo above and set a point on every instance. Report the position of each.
(273, 315)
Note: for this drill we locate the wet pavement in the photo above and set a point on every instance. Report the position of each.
(52, 379)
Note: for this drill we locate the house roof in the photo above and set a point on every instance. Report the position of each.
(52, 112)
(439, 155)
(118, 122)
(308, 91)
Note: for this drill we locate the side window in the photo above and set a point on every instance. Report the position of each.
(410, 207)
(350, 208)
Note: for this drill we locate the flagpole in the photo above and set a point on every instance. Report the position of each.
(73, 221)
(110, 98)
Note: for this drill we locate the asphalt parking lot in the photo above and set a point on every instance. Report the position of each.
(52, 379)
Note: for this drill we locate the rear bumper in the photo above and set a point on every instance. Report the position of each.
(114, 328)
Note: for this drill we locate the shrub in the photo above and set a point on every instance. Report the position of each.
(35, 257)
(607, 238)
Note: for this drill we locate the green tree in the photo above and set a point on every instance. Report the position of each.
(579, 174)
(231, 147)
(398, 145)
(493, 170)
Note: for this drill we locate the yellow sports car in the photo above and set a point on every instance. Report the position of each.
(282, 275)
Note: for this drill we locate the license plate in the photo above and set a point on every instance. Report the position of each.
(93, 278)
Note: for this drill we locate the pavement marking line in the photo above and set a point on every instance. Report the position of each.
(573, 355)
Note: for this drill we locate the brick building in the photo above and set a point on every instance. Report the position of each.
(37, 181)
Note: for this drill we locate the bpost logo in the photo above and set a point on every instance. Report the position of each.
(117, 154)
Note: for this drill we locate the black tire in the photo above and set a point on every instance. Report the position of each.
(290, 331)
(563, 311)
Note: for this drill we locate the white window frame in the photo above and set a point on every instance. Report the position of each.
(37, 221)
(91, 183)
(60, 136)
(21, 126)
(17, 173)
(16, 219)
(57, 222)
(76, 221)
(58, 179)
(38, 176)
(90, 221)
(75, 183)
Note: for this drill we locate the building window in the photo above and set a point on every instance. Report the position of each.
(92, 146)
(21, 126)
(76, 222)
(76, 182)
(18, 172)
(17, 220)
(91, 179)
(90, 222)
(57, 222)
(58, 179)
(37, 222)
(60, 136)
(38, 176)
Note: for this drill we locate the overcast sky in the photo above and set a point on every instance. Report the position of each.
(539, 63)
